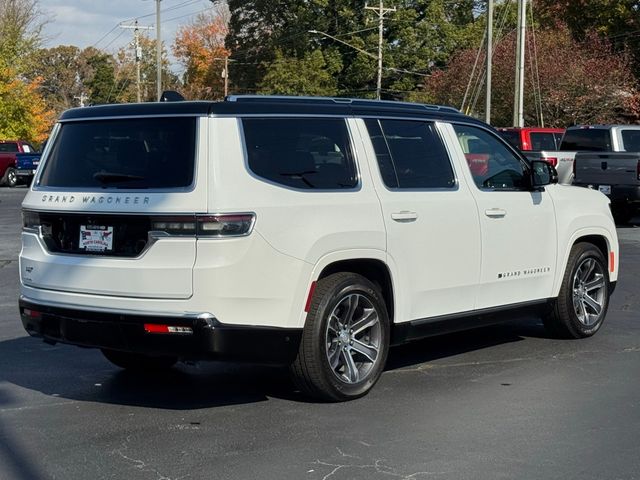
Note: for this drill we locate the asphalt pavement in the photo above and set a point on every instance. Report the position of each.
(502, 402)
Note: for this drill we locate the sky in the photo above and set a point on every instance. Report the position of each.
(85, 23)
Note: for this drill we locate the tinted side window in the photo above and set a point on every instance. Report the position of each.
(410, 154)
(511, 136)
(631, 140)
(587, 140)
(9, 147)
(306, 153)
(492, 165)
(542, 141)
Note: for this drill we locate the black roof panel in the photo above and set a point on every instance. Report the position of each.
(270, 105)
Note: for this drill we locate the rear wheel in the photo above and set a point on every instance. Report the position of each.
(582, 303)
(139, 362)
(345, 339)
(10, 179)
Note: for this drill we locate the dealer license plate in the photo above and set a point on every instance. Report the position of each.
(96, 238)
(606, 189)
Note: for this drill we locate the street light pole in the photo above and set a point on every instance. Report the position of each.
(381, 11)
(158, 53)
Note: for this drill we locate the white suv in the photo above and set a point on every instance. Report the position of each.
(314, 232)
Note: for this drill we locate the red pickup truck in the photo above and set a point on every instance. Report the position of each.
(533, 138)
(8, 150)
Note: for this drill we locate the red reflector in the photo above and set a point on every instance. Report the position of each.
(552, 160)
(32, 313)
(612, 263)
(312, 289)
(156, 328)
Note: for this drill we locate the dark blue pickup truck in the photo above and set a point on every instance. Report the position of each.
(26, 165)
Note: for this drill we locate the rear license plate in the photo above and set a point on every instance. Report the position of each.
(606, 189)
(34, 171)
(96, 238)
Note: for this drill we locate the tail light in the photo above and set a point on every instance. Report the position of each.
(209, 226)
(30, 221)
(552, 160)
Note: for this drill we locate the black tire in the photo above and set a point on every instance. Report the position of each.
(576, 318)
(139, 362)
(10, 179)
(354, 300)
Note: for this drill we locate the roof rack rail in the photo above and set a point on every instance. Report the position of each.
(339, 101)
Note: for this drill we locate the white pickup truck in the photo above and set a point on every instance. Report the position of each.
(612, 166)
(587, 138)
(315, 232)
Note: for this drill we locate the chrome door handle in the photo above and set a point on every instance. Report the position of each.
(404, 216)
(495, 213)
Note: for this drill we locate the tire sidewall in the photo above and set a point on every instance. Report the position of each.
(574, 323)
(12, 178)
(353, 284)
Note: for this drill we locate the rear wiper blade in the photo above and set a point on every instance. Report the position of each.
(110, 177)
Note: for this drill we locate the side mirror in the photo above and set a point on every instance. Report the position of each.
(542, 173)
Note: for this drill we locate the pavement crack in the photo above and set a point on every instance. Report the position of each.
(378, 466)
(141, 464)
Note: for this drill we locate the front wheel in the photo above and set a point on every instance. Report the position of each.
(581, 306)
(345, 339)
(139, 362)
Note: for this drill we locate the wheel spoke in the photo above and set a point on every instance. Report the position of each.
(334, 358)
(350, 365)
(369, 351)
(353, 304)
(589, 266)
(597, 283)
(590, 302)
(369, 319)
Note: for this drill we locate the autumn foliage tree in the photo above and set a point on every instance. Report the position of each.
(566, 81)
(200, 48)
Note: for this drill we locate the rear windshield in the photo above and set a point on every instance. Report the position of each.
(586, 140)
(511, 136)
(123, 153)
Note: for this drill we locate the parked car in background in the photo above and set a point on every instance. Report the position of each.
(609, 161)
(8, 151)
(533, 138)
(26, 166)
(538, 143)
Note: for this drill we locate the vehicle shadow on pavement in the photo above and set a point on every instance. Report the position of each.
(83, 374)
(452, 344)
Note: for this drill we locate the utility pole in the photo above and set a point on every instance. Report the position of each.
(487, 110)
(381, 11)
(518, 103)
(82, 98)
(225, 74)
(138, 52)
(158, 53)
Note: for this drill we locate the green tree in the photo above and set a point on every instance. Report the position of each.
(102, 85)
(419, 36)
(310, 75)
(21, 26)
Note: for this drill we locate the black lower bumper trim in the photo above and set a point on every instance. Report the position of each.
(210, 340)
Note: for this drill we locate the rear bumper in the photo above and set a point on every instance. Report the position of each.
(209, 340)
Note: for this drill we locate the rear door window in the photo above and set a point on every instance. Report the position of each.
(410, 154)
(144, 153)
(631, 140)
(304, 153)
(542, 141)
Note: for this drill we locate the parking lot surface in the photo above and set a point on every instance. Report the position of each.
(497, 402)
